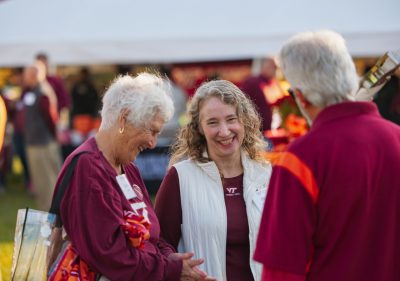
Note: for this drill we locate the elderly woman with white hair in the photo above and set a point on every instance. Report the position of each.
(333, 202)
(106, 210)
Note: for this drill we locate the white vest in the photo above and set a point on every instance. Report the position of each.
(204, 222)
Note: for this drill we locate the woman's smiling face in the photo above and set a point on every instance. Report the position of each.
(136, 139)
(222, 129)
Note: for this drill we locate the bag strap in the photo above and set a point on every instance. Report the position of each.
(20, 244)
(55, 204)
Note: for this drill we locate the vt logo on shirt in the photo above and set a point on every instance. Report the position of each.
(232, 191)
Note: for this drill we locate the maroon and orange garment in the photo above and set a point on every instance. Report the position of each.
(302, 172)
(72, 268)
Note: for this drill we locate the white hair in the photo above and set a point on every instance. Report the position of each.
(319, 64)
(145, 96)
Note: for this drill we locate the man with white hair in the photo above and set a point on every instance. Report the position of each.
(332, 207)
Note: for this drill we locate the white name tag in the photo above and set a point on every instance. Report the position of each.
(125, 187)
(29, 99)
(140, 206)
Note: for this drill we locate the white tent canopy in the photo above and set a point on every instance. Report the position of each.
(158, 31)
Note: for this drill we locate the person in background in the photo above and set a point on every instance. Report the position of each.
(63, 98)
(179, 97)
(333, 200)
(388, 99)
(43, 152)
(84, 118)
(13, 97)
(85, 99)
(106, 198)
(211, 203)
(256, 89)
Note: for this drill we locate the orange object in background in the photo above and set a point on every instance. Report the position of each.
(273, 91)
(296, 125)
(278, 137)
(280, 141)
(96, 123)
(83, 123)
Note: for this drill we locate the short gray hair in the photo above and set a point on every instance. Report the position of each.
(319, 64)
(145, 96)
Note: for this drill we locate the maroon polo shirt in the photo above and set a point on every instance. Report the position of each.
(169, 212)
(333, 205)
(92, 211)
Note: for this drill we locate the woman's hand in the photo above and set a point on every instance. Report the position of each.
(190, 271)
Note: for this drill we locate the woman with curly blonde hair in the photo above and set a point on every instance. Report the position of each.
(210, 201)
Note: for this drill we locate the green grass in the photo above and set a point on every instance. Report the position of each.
(14, 198)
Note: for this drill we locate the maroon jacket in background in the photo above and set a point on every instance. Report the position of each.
(63, 98)
(348, 228)
(252, 87)
(92, 212)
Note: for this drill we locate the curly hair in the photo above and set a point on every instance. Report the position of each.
(191, 143)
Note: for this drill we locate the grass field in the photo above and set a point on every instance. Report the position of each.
(11, 200)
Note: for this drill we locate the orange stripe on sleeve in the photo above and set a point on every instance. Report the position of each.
(297, 167)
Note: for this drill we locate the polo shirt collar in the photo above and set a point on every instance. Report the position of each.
(344, 109)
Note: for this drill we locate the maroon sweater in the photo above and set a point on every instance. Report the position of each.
(92, 212)
(332, 210)
(169, 212)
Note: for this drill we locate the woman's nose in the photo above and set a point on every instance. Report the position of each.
(223, 130)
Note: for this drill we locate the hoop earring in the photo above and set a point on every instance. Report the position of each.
(121, 130)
